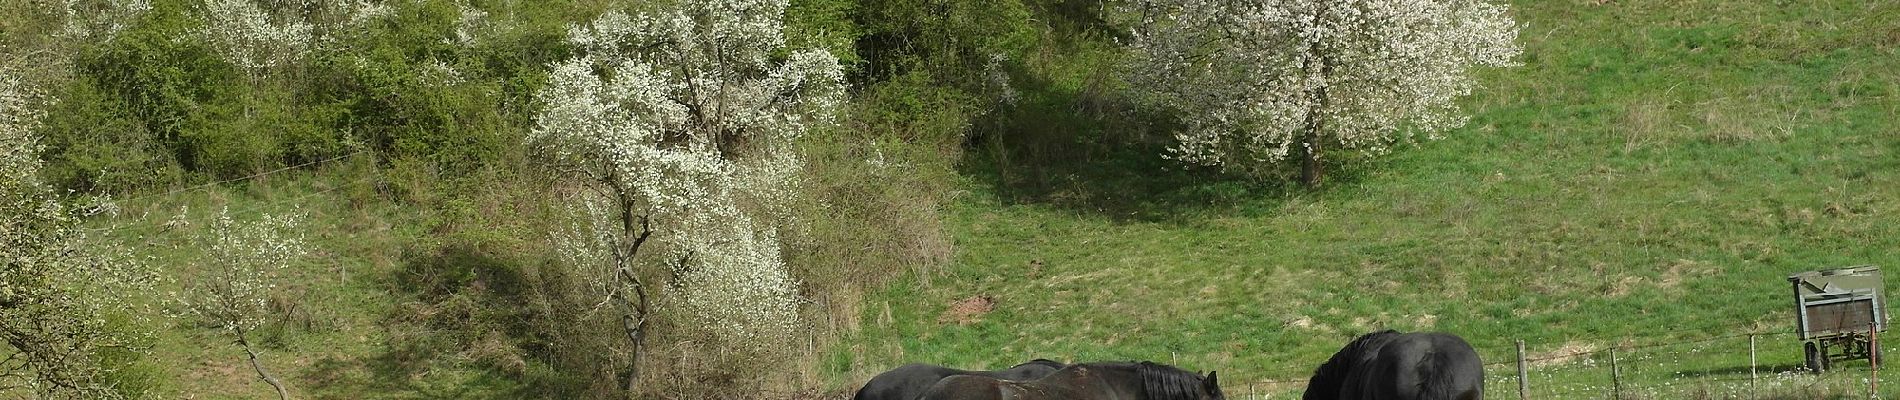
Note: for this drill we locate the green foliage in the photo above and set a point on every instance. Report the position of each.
(827, 25)
(402, 84)
(912, 108)
(952, 39)
(94, 143)
(404, 95)
(408, 91)
(227, 141)
(155, 102)
(163, 81)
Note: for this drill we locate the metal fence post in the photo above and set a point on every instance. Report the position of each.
(1523, 386)
(1873, 360)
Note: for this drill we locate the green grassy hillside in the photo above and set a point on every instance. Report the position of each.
(1643, 182)
(1650, 174)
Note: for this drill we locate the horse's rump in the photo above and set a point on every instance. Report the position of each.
(1411, 366)
(1451, 370)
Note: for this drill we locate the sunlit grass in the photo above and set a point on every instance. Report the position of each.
(1651, 174)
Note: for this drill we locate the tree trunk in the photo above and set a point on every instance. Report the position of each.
(1312, 169)
(635, 310)
(261, 373)
(635, 328)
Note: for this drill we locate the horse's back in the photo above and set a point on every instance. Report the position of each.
(1025, 372)
(964, 387)
(904, 382)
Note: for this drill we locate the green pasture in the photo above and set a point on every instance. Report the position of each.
(1650, 174)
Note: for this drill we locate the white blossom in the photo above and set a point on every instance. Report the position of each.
(58, 286)
(685, 119)
(251, 37)
(357, 13)
(997, 79)
(472, 21)
(236, 276)
(100, 20)
(1246, 76)
(260, 35)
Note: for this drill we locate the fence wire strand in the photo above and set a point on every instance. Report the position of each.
(245, 210)
(168, 193)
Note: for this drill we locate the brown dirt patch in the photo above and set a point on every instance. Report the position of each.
(968, 311)
(1565, 354)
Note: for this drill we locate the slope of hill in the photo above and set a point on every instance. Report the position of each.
(1644, 182)
(1651, 174)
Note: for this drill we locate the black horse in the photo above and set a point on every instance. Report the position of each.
(908, 381)
(1091, 381)
(1388, 365)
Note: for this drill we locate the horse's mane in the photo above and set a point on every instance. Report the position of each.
(1165, 382)
(1043, 362)
(1326, 379)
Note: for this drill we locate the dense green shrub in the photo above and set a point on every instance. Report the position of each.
(952, 39)
(825, 24)
(93, 143)
(162, 80)
(410, 89)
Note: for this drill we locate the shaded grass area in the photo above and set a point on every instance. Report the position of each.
(338, 328)
(1653, 171)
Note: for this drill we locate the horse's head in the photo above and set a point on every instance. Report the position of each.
(1210, 388)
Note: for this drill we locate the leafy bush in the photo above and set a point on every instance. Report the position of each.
(409, 90)
(93, 143)
(163, 81)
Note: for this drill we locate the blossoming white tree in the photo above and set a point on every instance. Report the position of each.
(682, 123)
(233, 286)
(248, 37)
(1260, 82)
(58, 287)
(260, 35)
(100, 20)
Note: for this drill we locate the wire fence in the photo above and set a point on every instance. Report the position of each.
(284, 169)
(149, 198)
(1747, 364)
